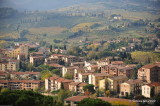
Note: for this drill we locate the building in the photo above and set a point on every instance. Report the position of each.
(54, 59)
(131, 87)
(92, 68)
(78, 64)
(70, 59)
(74, 100)
(83, 77)
(113, 83)
(9, 64)
(62, 83)
(69, 70)
(150, 90)
(55, 83)
(118, 70)
(36, 60)
(77, 87)
(25, 75)
(14, 52)
(56, 66)
(94, 78)
(150, 73)
(21, 84)
(4, 75)
(117, 63)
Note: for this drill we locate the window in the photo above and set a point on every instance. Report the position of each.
(67, 101)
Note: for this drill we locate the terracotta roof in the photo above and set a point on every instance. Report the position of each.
(60, 79)
(108, 99)
(20, 73)
(74, 83)
(37, 57)
(82, 84)
(99, 74)
(60, 55)
(22, 81)
(134, 81)
(55, 65)
(66, 80)
(37, 53)
(72, 67)
(117, 77)
(149, 66)
(154, 84)
(53, 78)
(94, 66)
(86, 73)
(117, 62)
(3, 81)
(76, 98)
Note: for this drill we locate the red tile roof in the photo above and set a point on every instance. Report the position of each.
(154, 84)
(21, 73)
(152, 65)
(134, 81)
(55, 65)
(108, 99)
(117, 62)
(53, 78)
(76, 98)
(99, 74)
(22, 81)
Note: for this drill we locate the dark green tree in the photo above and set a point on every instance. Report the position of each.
(89, 88)
(93, 102)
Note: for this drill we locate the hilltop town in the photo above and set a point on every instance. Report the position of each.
(49, 71)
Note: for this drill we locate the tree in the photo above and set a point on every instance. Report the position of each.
(68, 76)
(63, 94)
(108, 93)
(93, 102)
(25, 98)
(89, 88)
(50, 47)
(23, 33)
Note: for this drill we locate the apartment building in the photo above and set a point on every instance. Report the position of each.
(69, 70)
(113, 83)
(118, 70)
(14, 52)
(54, 59)
(77, 87)
(78, 64)
(25, 75)
(9, 64)
(151, 89)
(150, 73)
(55, 83)
(36, 60)
(83, 77)
(94, 78)
(21, 84)
(131, 87)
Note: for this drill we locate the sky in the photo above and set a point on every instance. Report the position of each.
(39, 4)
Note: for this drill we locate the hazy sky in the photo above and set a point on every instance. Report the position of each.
(39, 4)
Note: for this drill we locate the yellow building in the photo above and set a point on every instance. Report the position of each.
(96, 77)
(14, 52)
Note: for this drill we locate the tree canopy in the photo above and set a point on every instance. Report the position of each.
(24, 98)
(93, 102)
